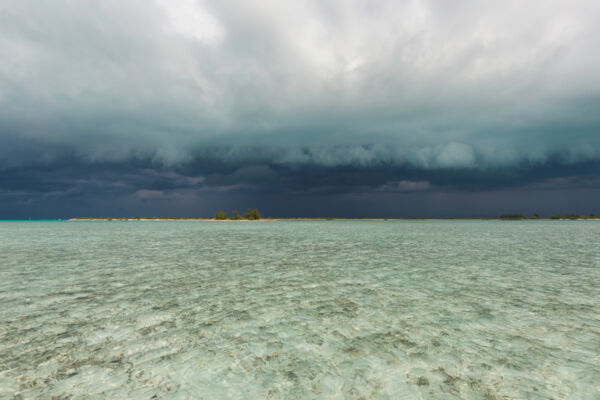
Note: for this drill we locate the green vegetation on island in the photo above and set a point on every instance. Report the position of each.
(220, 215)
(517, 217)
(574, 216)
(250, 215)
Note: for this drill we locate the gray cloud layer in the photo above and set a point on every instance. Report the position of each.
(397, 95)
(431, 83)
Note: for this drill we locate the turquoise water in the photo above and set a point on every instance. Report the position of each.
(285, 310)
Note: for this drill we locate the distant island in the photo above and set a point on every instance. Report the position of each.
(514, 217)
(254, 215)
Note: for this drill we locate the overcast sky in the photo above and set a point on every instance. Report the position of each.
(322, 108)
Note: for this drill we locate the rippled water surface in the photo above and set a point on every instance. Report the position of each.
(285, 310)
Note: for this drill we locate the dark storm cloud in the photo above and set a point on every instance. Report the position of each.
(155, 99)
(141, 187)
(210, 172)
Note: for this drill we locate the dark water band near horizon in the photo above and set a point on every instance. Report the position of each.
(304, 309)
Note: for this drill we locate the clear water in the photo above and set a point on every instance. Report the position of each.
(285, 310)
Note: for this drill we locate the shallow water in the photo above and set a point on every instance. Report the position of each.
(284, 310)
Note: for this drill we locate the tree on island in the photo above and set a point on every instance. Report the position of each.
(518, 216)
(512, 216)
(252, 214)
(236, 215)
(249, 215)
(220, 215)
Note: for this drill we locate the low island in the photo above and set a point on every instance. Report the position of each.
(254, 215)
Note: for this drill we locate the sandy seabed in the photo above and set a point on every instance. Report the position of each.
(331, 310)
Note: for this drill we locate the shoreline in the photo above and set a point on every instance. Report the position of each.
(109, 219)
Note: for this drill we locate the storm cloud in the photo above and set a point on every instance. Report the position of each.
(154, 102)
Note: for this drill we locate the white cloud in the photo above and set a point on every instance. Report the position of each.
(431, 82)
(190, 18)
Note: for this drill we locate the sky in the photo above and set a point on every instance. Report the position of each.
(418, 108)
